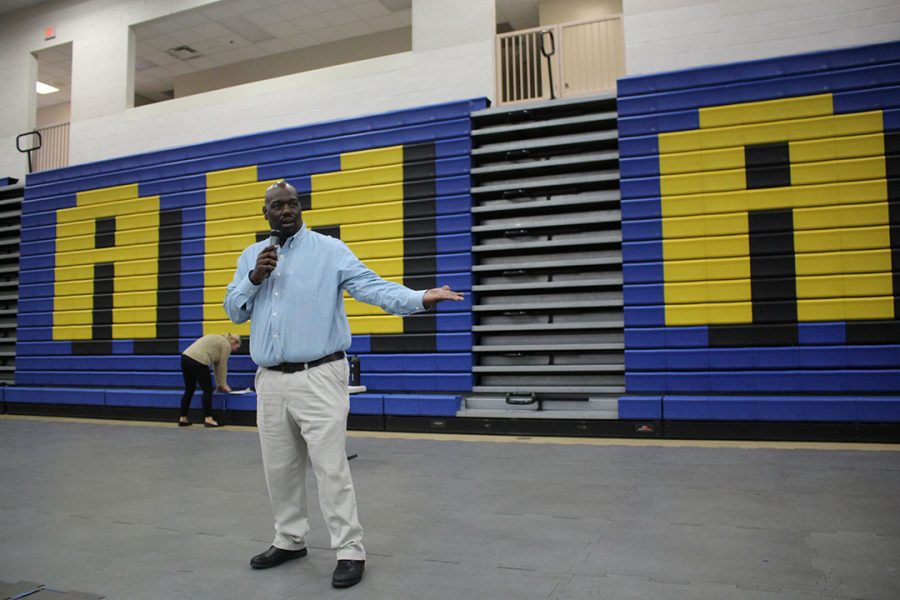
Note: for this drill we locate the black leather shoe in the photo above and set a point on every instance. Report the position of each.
(274, 557)
(348, 573)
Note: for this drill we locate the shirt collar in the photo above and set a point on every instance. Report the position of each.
(301, 233)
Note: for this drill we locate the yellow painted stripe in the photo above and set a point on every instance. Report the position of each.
(805, 151)
(804, 196)
(845, 309)
(384, 230)
(389, 155)
(355, 196)
(835, 171)
(710, 247)
(831, 263)
(701, 292)
(837, 148)
(107, 195)
(378, 249)
(239, 193)
(362, 213)
(359, 178)
(767, 110)
(705, 270)
(232, 177)
(860, 123)
(63, 290)
(828, 240)
(722, 313)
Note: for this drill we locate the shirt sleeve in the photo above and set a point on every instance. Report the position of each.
(366, 286)
(241, 291)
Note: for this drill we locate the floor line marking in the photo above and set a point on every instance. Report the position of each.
(512, 439)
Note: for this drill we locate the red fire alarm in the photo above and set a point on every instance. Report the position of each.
(49, 32)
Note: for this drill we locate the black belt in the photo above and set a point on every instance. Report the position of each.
(298, 366)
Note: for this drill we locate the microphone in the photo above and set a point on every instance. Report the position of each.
(275, 238)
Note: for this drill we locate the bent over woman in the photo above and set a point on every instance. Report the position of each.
(210, 350)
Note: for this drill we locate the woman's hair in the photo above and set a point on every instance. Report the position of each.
(233, 337)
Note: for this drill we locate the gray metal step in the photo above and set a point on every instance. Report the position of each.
(541, 108)
(545, 306)
(558, 144)
(551, 369)
(553, 204)
(536, 128)
(546, 265)
(521, 187)
(555, 389)
(512, 288)
(583, 348)
(537, 327)
(604, 238)
(589, 159)
(582, 221)
(478, 413)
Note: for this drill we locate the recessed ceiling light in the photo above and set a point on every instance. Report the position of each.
(183, 52)
(43, 88)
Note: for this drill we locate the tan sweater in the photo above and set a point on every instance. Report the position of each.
(212, 349)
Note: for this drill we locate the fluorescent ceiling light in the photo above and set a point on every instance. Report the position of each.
(43, 88)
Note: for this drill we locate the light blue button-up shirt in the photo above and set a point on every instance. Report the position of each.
(297, 314)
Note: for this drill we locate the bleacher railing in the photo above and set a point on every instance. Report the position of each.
(581, 57)
(54, 150)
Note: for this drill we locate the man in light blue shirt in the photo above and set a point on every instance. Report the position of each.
(293, 293)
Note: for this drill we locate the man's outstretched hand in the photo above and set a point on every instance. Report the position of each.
(435, 295)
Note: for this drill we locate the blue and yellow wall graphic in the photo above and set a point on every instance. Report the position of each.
(125, 262)
(761, 228)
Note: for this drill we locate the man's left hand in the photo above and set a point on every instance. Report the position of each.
(435, 295)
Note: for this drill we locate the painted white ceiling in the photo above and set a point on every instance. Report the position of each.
(233, 31)
(11, 5)
(55, 68)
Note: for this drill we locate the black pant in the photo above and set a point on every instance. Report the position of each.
(194, 373)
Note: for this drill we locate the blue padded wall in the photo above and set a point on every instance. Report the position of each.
(761, 239)
(124, 262)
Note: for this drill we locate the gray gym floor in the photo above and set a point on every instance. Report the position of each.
(133, 511)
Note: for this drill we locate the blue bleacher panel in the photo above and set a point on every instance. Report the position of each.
(422, 406)
(640, 407)
(367, 404)
(54, 395)
(162, 290)
(711, 343)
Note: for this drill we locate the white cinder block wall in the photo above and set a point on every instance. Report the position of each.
(663, 35)
(452, 58)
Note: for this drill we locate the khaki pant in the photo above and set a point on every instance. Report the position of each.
(303, 416)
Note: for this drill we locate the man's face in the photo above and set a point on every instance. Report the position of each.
(282, 210)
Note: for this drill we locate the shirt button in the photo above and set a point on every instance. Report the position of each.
(276, 293)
